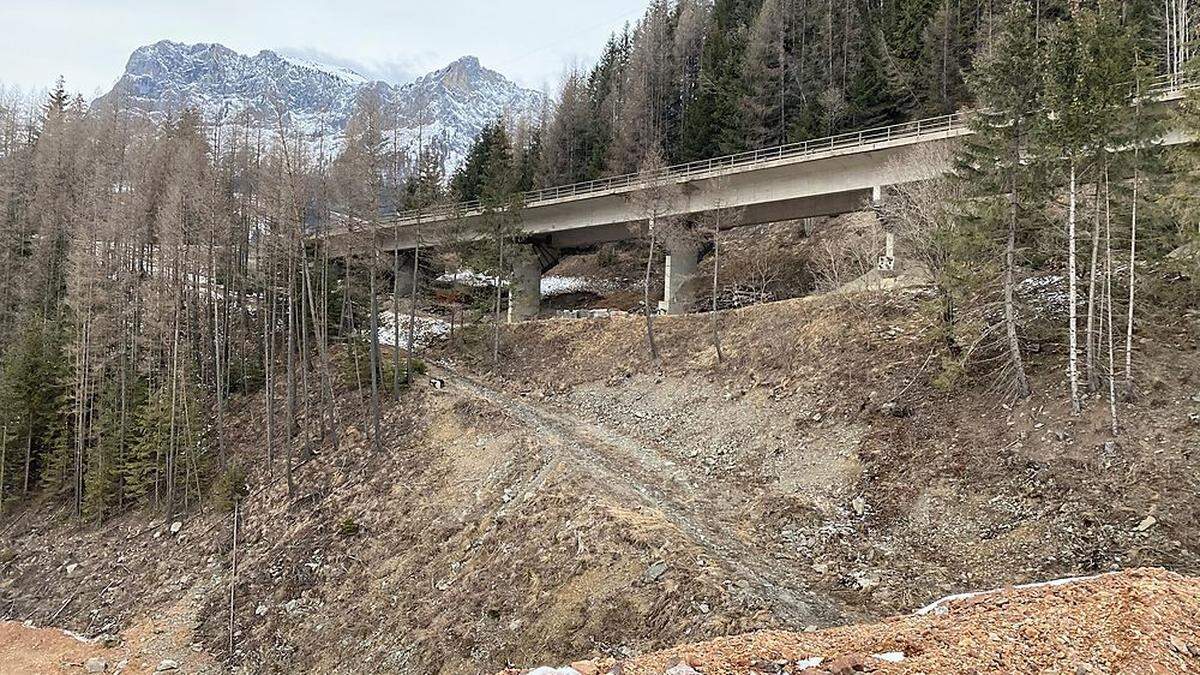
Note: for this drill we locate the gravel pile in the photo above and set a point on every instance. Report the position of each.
(1141, 621)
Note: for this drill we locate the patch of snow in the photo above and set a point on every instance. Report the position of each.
(556, 285)
(890, 657)
(938, 607)
(810, 663)
(469, 278)
(1046, 294)
(78, 637)
(426, 329)
(344, 74)
(1035, 283)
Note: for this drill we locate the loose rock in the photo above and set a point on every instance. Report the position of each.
(655, 571)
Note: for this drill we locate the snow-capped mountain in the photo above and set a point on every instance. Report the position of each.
(449, 106)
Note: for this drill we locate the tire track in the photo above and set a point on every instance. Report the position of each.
(645, 476)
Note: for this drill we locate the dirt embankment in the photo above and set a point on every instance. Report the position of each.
(1143, 621)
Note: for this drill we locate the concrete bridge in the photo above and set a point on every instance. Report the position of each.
(820, 177)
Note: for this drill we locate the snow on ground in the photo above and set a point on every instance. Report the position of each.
(555, 285)
(939, 606)
(426, 329)
(551, 285)
(1046, 295)
(469, 278)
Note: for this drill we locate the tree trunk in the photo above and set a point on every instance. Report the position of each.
(3, 464)
(716, 323)
(646, 296)
(1133, 235)
(233, 576)
(218, 378)
(28, 456)
(412, 307)
(289, 434)
(321, 329)
(269, 366)
(396, 324)
(1093, 373)
(1108, 302)
(496, 305)
(1072, 298)
(1020, 380)
(377, 442)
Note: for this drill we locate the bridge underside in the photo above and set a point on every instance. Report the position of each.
(682, 256)
(754, 214)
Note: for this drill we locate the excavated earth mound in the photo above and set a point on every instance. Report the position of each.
(1140, 621)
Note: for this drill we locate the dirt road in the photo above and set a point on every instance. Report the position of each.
(625, 466)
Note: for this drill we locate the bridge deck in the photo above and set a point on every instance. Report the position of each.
(564, 203)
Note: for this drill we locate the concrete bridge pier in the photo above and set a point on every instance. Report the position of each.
(679, 289)
(525, 289)
(887, 262)
(403, 272)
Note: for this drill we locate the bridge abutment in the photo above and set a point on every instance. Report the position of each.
(525, 289)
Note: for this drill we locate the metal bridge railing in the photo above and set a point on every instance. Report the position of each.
(1161, 87)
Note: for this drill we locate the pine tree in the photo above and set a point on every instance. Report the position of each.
(994, 161)
(872, 99)
(649, 87)
(769, 92)
(715, 124)
(944, 57)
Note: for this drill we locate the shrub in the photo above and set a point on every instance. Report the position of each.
(606, 256)
(950, 375)
(349, 528)
(230, 487)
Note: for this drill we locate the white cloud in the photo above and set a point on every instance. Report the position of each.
(398, 70)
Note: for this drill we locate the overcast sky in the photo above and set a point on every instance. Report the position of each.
(89, 41)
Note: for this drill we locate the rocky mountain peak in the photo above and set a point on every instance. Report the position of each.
(451, 104)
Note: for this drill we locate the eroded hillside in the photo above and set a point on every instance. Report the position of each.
(578, 501)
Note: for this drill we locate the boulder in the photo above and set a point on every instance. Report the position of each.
(655, 571)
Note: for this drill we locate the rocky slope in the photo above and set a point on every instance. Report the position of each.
(579, 502)
(449, 106)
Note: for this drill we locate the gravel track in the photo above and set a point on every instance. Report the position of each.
(623, 465)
